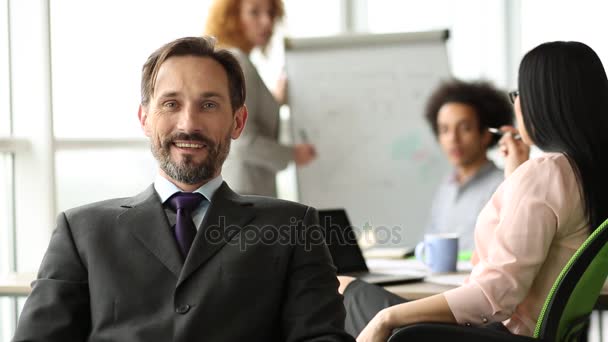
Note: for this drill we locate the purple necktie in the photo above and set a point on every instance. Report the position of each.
(184, 203)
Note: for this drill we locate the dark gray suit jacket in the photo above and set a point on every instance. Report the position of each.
(257, 271)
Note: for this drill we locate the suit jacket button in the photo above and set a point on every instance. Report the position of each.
(182, 309)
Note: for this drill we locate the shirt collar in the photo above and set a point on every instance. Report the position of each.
(166, 189)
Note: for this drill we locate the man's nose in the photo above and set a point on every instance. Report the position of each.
(456, 135)
(188, 119)
(451, 135)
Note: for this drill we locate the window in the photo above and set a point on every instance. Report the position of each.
(6, 212)
(85, 176)
(7, 305)
(6, 188)
(582, 21)
(313, 17)
(6, 176)
(5, 123)
(98, 49)
(477, 44)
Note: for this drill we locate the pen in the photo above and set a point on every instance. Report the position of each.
(304, 136)
(501, 133)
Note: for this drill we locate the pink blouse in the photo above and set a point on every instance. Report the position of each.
(524, 236)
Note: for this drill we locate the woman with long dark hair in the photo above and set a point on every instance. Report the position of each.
(538, 217)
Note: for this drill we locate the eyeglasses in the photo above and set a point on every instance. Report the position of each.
(513, 95)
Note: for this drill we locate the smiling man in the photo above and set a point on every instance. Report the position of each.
(190, 127)
(187, 259)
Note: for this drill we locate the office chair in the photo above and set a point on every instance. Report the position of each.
(565, 314)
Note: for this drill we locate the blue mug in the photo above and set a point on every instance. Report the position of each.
(439, 252)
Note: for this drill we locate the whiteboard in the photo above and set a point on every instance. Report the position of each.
(360, 100)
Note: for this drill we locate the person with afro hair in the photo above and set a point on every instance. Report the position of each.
(460, 114)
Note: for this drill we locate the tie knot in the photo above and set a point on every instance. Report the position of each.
(185, 200)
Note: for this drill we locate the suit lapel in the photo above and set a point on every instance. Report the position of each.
(147, 222)
(226, 216)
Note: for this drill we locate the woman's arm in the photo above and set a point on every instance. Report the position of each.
(430, 309)
(280, 90)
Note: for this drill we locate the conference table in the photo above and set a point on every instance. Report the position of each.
(18, 285)
(437, 283)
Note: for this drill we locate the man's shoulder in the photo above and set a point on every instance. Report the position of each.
(496, 174)
(491, 176)
(109, 206)
(270, 202)
(276, 206)
(99, 205)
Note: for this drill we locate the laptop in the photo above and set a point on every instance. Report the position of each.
(346, 253)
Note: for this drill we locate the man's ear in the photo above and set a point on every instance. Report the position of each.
(142, 114)
(240, 118)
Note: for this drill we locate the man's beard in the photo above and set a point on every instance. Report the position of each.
(187, 171)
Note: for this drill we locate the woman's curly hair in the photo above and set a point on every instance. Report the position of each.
(223, 22)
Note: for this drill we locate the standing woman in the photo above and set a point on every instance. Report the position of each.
(538, 217)
(256, 157)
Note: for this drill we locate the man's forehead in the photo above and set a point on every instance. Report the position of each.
(457, 117)
(457, 111)
(193, 73)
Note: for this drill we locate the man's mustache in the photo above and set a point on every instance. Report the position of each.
(198, 137)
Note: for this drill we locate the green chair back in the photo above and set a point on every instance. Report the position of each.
(565, 314)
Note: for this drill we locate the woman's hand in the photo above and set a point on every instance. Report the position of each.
(513, 149)
(430, 309)
(344, 282)
(303, 154)
(378, 329)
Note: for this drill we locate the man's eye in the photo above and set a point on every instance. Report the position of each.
(170, 104)
(465, 128)
(209, 105)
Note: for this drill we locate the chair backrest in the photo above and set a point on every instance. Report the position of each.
(576, 290)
